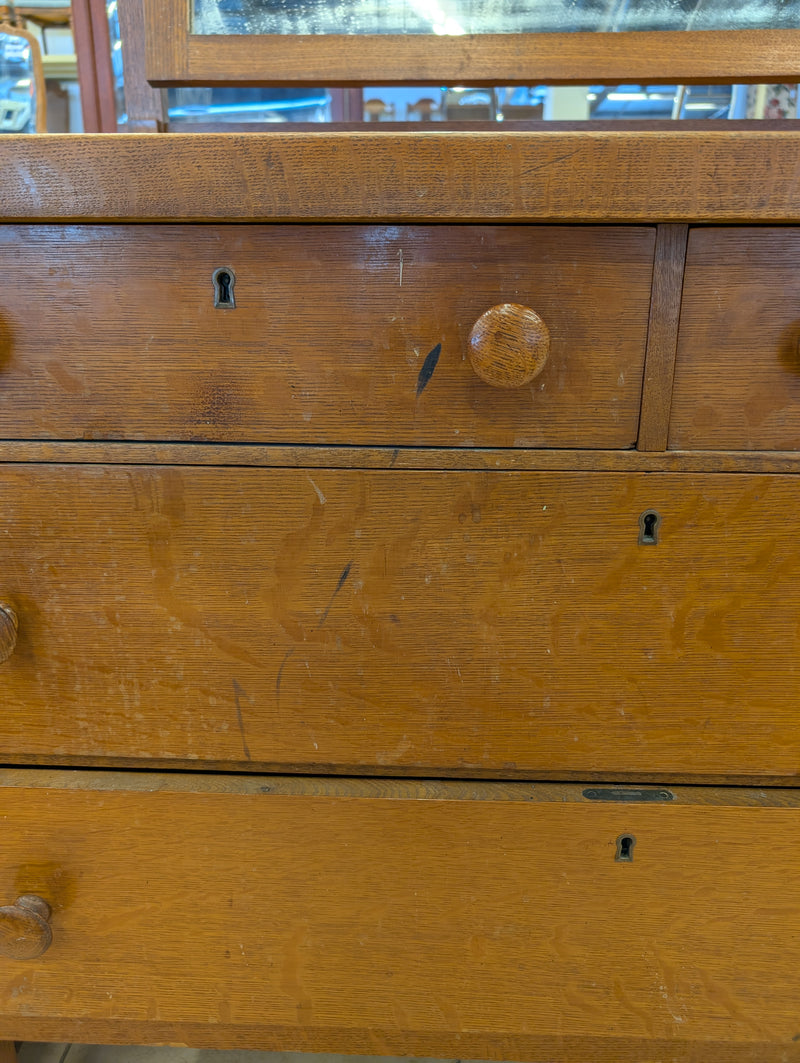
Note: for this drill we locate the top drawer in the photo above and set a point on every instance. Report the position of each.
(340, 333)
(737, 373)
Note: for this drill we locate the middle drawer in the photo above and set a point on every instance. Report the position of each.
(500, 623)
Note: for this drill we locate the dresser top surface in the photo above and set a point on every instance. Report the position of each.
(722, 175)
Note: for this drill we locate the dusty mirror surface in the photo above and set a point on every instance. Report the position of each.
(453, 17)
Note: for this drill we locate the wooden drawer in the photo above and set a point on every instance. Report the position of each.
(737, 376)
(110, 332)
(509, 623)
(405, 918)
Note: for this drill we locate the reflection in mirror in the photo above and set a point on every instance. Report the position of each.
(452, 17)
(611, 103)
(22, 88)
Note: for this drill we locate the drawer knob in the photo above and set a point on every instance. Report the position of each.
(508, 345)
(8, 631)
(25, 931)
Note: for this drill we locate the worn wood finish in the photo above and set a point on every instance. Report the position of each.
(25, 932)
(508, 345)
(340, 334)
(596, 176)
(737, 377)
(9, 624)
(177, 57)
(170, 922)
(662, 336)
(505, 623)
(343, 457)
(8, 1052)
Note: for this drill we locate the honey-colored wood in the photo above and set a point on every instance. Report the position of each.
(509, 345)
(737, 377)
(340, 334)
(390, 788)
(177, 57)
(25, 932)
(342, 457)
(262, 920)
(9, 624)
(596, 176)
(437, 622)
(662, 336)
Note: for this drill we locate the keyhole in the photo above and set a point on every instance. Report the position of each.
(625, 844)
(649, 522)
(223, 280)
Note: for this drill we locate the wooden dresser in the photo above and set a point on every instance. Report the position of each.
(351, 702)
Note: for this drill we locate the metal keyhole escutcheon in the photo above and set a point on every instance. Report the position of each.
(223, 280)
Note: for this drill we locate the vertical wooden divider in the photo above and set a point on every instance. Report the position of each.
(146, 107)
(662, 336)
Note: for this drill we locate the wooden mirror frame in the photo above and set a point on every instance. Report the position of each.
(40, 118)
(175, 56)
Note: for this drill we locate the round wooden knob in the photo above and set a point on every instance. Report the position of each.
(508, 345)
(25, 928)
(8, 631)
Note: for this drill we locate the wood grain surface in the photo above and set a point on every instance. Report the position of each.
(405, 924)
(509, 345)
(389, 787)
(146, 107)
(508, 624)
(344, 457)
(25, 932)
(340, 334)
(8, 631)
(737, 175)
(662, 336)
(737, 375)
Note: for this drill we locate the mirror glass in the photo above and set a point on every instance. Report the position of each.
(451, 17)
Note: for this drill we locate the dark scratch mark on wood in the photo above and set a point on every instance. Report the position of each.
(237, 694)
(279, 676)
(339, 585)
(342, 580)
(396, 451)
(428, 366)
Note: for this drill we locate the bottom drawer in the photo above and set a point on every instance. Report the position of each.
(486, 920)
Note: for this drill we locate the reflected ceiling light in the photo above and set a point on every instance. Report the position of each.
(443, 25)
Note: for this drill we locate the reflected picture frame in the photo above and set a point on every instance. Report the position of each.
(11, 112)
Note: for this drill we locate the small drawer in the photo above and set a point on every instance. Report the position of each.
(331, 333)
(737, 375)
(423, 622)
(504, 921)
